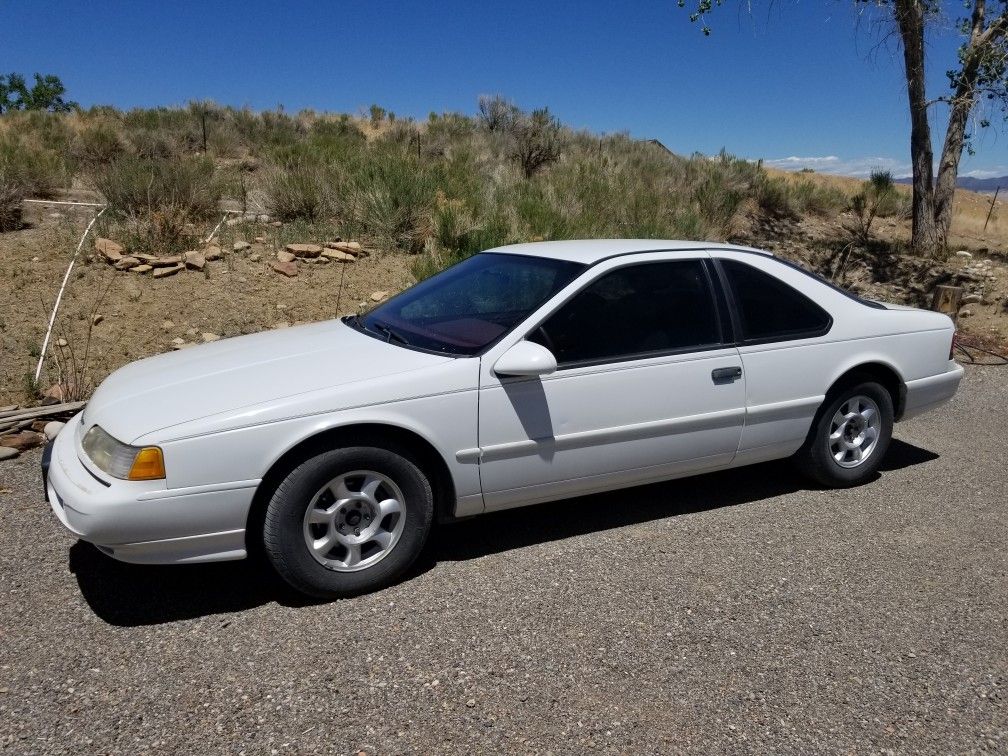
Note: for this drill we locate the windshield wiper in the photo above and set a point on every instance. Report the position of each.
(390, 335)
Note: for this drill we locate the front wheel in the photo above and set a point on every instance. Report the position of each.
(348, 521)
(849, 437)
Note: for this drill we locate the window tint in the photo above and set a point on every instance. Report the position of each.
(769, 308)
(468, 306)
(635, 311)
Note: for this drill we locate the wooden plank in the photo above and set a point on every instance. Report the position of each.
(44, 411)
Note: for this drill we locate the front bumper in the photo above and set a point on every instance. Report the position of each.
(143, 521)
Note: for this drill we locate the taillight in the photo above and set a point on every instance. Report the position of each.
(954, 344)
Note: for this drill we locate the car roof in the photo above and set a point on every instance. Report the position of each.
(590, 251)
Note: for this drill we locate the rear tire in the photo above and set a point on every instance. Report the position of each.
(348, 521)
(849, 436)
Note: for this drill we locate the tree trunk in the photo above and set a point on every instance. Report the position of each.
(960, 108)
(910, 19)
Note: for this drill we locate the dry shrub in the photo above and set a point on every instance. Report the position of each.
(301, 189)
(159, 203)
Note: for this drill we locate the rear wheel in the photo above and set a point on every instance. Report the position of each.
(849, 436)
(348, 521)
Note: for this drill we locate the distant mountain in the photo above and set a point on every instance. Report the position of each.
(985, 185)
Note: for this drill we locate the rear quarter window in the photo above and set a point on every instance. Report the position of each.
(769, 309)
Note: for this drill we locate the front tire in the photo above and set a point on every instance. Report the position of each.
(348, 521)
(849, 436)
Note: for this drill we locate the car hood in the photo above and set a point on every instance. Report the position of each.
(198, 382)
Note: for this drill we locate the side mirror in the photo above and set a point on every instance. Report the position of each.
(527, 359)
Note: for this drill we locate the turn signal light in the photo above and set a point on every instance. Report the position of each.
(148, 465)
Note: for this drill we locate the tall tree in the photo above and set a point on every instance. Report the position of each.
(981, 72)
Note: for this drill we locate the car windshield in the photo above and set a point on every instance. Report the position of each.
(467, 307)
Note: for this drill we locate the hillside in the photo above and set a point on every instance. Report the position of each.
(981, 185)
(415, 196)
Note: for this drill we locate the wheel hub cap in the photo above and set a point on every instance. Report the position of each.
(354, 521)
(854, 431)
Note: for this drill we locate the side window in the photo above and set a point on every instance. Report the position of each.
(770, 309)
(633, 312)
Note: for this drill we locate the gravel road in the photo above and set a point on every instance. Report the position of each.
(737, 612)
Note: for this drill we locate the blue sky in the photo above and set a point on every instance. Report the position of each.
(801, 84)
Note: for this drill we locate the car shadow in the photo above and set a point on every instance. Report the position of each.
(132, 595)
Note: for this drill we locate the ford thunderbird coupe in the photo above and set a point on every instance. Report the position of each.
(522, 375)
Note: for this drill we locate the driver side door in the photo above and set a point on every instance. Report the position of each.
(648, 387)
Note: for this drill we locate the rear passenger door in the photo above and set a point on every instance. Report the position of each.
(646, 387)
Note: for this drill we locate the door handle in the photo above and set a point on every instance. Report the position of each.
(726, 374)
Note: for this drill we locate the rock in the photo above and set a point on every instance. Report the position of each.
(285, 257)
(7, 452)
(275, 224)
(61, 342)
(233, 221)
(350, 247)
(964, 253)
(52, 428)
(133, 292)
(263, 218)
(971, 299)
(164, 262)
(378, 296)
(125, 263)
(208, 337)
(212, 253)
(192, 331)
(171, 271)
(304, 250)
(260, 240)
(965, 313)
(24, 440)
(241, 246)
(112, 251)
(178, 341)
(145, 268)
(281, 324)
(339, 255)
(167, 325)
(289, 269)
(97, 319)
(56, 391)
(255, 257)
(35, 259)
(195, 260)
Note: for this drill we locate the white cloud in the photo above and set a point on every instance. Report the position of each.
(858, 167)
(995, 172)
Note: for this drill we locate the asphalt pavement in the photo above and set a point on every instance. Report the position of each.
(744, 611)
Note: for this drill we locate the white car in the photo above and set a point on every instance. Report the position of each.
(521, 375)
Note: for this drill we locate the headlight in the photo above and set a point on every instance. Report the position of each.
(122, 460)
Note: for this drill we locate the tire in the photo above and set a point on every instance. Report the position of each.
(843, 455)
(335, 501)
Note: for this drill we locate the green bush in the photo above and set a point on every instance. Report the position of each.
(96, 145)
(161, 204)
(39, 172)
(301, 189)
(388, 196)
